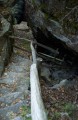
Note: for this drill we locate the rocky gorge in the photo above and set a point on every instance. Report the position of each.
(54, 24)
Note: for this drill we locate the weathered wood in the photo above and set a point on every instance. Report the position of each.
(15, 37)
(37, 107)
(33, 54)
(21, 49)
(48, 56)
(55, 52)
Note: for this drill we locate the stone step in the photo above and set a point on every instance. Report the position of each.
(8, 81)
(18, 59)
(20, 63)
(21, 26)
(10, 74)
(14, 88)
(8, 112)
(17, 69)
(12, 98)
(18, 118)
(25, 63)
(4, 91)
(11, 77)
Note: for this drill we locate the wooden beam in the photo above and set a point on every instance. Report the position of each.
(33, 53)
(22, 49)
(55, 52)
(15, 37)
(37, 107)
(52, 57)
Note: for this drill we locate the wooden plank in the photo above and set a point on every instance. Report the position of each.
(52, 57)
(37, 107)
(33, 53)
(21, 49)
(15, 37)
(55, 52)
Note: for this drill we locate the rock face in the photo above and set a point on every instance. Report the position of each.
(11, 12)
(54, 24)
(6, 44)
(14, 8)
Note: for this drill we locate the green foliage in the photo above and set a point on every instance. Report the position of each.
(33, 2)
(24, 111)
(56, 116)
(65, 108)
(69, 108)
(49, 119)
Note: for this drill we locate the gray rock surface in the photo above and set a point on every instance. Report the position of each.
(44, 18)
(14, 88)
(64, 83)
(6, 44)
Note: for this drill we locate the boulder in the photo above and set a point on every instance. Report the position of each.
(6, 44)
(54, 25)
(12, 8)
(11, 12)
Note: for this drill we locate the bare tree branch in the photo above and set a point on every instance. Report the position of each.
(69, 13)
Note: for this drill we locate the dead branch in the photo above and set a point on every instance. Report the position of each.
(68, 13)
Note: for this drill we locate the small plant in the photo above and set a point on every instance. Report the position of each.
(56, 116)
(33, 1)
(24, 111)
(69, 108)
(49, 118)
